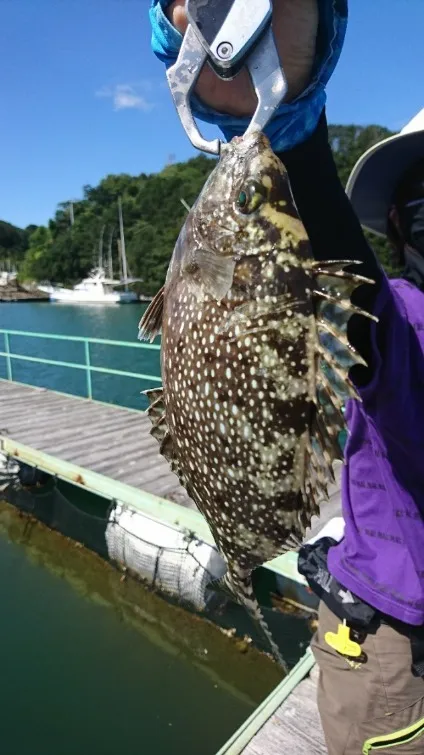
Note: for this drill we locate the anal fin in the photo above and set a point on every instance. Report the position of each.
(160, 431)
(156, 407)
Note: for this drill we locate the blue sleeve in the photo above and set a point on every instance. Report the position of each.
(294, 122)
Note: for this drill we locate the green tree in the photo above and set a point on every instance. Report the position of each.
(36, 265)
(13, 243)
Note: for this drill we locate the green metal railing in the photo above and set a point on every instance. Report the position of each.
(87, 365)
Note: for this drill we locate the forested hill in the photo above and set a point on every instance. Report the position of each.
(153, 215)
(13, 243)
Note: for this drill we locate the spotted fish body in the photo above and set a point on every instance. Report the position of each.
(255, 361)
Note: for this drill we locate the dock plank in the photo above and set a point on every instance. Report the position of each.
(295, 727)
(103, 438)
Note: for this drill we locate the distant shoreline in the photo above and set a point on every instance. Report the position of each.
(14, 293)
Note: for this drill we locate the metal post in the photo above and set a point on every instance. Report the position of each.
(8, 359)
(88, 366)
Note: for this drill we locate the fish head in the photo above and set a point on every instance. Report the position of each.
(246, 204)
(244, 212)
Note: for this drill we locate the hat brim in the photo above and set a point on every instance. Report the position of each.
(374, 178)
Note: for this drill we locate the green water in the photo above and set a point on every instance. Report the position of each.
(116, 323)
(91, 665)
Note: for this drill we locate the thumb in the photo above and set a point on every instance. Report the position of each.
(177, 15)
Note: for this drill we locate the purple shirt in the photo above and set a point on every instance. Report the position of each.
(381, 557)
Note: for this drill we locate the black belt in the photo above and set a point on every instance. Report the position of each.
(358, 614)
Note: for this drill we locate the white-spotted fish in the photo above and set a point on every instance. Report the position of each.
(255, 360)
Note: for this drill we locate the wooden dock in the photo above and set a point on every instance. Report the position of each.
(107, 439)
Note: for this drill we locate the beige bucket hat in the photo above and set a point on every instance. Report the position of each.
(374, 178)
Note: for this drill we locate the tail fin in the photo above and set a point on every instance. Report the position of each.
(239, 584)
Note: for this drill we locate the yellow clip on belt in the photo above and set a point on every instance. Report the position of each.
(401, 737)
(342, 643)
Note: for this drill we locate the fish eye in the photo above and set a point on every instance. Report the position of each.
(242, 200)
(250, 198)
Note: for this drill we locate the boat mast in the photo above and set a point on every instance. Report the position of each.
(101, 248)
(122, 245)
(109, 254)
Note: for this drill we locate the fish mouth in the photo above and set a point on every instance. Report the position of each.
(256, 142)
(252, 157)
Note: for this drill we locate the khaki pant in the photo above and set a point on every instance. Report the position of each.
(373, 704)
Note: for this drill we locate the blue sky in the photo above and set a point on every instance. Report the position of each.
(83, 96)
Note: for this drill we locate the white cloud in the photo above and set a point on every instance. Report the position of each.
(128, 96)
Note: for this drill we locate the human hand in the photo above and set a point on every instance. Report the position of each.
(230, 104)
(295, 24)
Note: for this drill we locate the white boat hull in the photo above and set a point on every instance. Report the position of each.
(91, 297)
(96, 289)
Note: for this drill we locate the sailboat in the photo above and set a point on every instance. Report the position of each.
(98, 287)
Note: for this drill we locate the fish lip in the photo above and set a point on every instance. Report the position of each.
(255, 141)
(251, 139)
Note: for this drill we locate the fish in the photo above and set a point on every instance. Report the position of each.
(255, 362)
